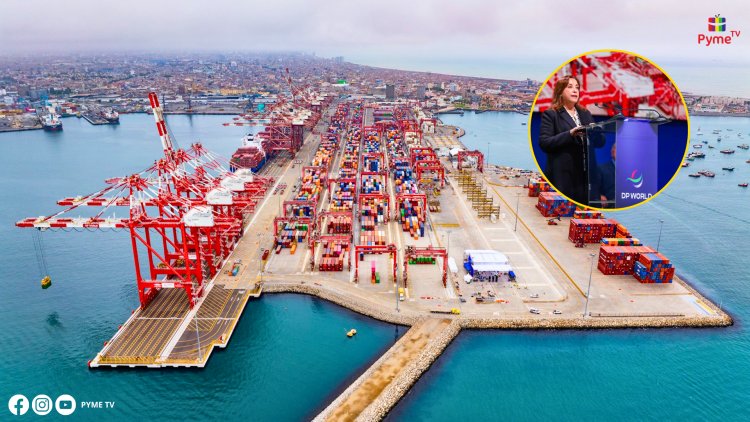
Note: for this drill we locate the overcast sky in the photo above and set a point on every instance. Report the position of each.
(481, 38)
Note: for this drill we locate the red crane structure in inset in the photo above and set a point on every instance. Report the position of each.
(619, 82)
(186, 213)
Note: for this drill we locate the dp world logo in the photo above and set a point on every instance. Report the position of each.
(636, 181)
(717, 24)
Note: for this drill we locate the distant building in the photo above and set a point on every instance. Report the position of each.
(338, 59)
(390, 92)
(421, 90)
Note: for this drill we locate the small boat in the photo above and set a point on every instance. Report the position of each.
(707, 173)
(535, 296)
(743, 146)
(523, 124)
(716, 131)
(705, 142)
(697, 146)
(694, 175)
(728, 168)
(718, 139)
(710, 147)
(730, 129)
(351, 333)
(685, 164)
(742, 185)
(534, 310)
(46, 282)
(556, 312)
(699, 132)
(727, 151)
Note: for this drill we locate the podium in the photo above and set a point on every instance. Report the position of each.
(633, 176)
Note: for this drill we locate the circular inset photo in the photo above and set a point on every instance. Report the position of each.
(609, 129)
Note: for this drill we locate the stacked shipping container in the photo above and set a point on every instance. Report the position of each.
(555, 205)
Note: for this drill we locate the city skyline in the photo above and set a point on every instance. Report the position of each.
(470, 39)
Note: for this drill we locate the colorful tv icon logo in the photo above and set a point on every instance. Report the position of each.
(717, 24)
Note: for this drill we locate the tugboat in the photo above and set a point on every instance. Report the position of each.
(51, 122)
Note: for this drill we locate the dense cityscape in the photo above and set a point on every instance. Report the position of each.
(88, 86)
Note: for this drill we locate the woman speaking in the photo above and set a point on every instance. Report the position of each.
(562, 136)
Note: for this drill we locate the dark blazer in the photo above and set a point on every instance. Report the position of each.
(564, 168)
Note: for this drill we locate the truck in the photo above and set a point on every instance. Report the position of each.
(401, 294)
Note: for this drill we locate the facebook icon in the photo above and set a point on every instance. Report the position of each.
(18, 405)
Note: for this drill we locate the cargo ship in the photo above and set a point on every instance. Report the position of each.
(111, 116)
(251, 155)
(51, 122)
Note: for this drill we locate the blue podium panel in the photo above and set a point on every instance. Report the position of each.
(637, 164)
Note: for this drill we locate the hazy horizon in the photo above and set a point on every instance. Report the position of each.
(474, 38)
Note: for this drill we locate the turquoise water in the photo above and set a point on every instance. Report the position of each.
(289, 354)
(287, 357)
(675, 374)
(501, 136)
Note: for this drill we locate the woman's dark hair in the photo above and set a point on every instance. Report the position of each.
(560, 85)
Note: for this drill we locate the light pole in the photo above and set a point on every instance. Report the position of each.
(198, 336)
(518, 198)
(488, 154)
(658, 242)
(588, 291)
(395, 281)
(448, 251)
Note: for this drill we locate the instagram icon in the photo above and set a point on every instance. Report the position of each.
(41, 405)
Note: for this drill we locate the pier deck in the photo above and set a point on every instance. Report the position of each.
(167, 333)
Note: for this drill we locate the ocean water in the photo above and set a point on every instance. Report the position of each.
(288, 355)
(501, 136)
(286, 360)
(665, 374)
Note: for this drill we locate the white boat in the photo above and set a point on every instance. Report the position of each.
(534, 310)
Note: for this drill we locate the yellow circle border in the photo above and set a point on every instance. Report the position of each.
(684, 105)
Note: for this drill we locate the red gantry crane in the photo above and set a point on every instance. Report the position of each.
(186, 213)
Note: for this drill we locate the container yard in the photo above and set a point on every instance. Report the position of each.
(352, 202)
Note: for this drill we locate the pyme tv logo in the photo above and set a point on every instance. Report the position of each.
(718, 24)
(636, 181)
